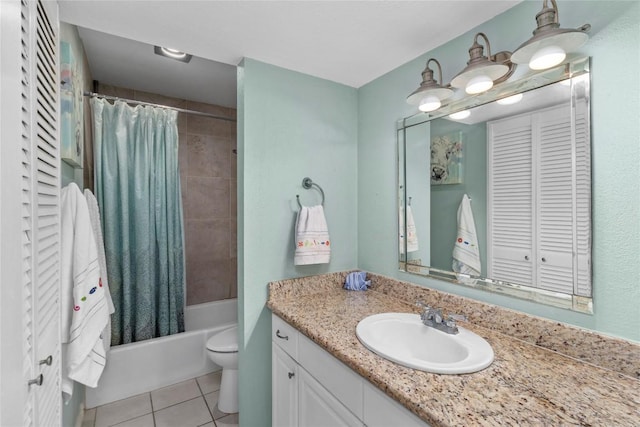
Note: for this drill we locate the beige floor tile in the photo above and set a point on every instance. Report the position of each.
(89, 418)
(210, 382)
(228, 421)
(143, 421)
(212, 403)
(123, 410)
(191, 413)
(173, 394)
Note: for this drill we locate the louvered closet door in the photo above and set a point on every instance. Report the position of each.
(41, 212)
(583, 197)
(555, 199)
(511, 196)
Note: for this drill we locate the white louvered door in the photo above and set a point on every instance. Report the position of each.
(539, 199)
(555, 199)
(583, 197)
(511, 200)
(33, 112)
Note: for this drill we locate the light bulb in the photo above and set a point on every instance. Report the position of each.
(460, 115)
(174, 53)
(429, 103)
(510, 99)
(479, 84)
(547, 57)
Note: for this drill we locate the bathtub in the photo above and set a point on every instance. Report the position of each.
(147, 365)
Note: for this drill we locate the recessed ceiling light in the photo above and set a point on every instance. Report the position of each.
(172, 53)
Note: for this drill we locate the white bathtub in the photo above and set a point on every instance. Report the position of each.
(147, 365)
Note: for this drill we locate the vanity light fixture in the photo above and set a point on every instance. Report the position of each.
(482, 72)
(513, 99)
(430, 94)
(460, 115)
(172, 53)
(550, 43)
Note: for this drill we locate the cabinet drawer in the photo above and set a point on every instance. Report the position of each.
(284, 335)
(335, 376)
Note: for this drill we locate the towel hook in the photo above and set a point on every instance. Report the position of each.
(307, 183)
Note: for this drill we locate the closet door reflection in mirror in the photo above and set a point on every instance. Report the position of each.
(525, 169)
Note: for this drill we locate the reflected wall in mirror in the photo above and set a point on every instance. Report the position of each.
(525, 230)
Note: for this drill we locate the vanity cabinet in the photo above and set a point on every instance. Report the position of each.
(310, 387)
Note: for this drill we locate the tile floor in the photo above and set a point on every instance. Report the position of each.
(191, 403)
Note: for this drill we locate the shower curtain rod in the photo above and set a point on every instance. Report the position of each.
(133, 101)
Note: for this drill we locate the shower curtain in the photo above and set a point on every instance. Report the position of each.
(137, 185)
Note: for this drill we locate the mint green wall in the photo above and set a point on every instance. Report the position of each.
(290, 126)
(447, 197)
(613, 45)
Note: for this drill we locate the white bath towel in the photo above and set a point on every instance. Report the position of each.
(412, 234)
(466, 253)
(84, 307)
(94, 217)
(312, 237)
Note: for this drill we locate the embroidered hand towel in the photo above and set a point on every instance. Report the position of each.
(312, 237)
(412, 234)
(466, 253)
(96, 226)
(85, 311)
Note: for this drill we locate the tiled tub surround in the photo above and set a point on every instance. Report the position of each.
(208, 181)
(544, 372)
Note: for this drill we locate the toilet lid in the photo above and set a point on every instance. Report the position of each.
(225, 341)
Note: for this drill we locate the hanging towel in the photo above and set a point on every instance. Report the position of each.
(312, 237)
(94, 217)
(466, 253)
(412, 234)
(85, 311)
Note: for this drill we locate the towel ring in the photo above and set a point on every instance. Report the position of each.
(307, 183)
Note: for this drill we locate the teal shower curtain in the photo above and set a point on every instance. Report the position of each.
(137, 184)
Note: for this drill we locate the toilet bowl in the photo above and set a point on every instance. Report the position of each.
(222, 349)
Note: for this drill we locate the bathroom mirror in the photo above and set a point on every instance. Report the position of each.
(521, 154)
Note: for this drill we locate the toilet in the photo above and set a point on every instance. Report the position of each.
(222, 349)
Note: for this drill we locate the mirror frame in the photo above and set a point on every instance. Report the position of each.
(530, 81)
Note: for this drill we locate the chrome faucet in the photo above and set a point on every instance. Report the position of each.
(432, 317)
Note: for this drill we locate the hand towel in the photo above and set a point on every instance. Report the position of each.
(412, 234)
(94, 217)
(84, 306)
(312, 237)
(466, 253)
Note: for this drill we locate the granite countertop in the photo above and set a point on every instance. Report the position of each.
(527, 384)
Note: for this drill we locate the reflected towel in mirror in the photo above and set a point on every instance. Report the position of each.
(466, 253)
(412, 234)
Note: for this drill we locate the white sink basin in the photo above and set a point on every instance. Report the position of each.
(402, 338)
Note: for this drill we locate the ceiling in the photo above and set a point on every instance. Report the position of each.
(349, 42)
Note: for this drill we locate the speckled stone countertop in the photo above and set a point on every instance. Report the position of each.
(544, 372)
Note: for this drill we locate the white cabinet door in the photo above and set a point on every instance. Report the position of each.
(318, 407)
(284, 389)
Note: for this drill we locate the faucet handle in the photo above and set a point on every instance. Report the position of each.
(457, 318)
(422, 305)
